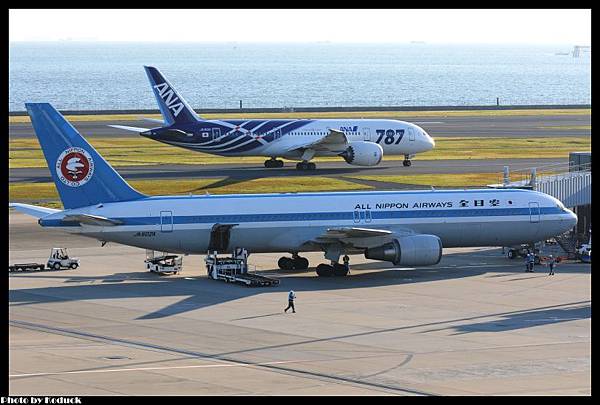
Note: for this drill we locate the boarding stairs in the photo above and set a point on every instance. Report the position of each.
(568, 242)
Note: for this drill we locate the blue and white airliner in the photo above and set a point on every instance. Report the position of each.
(361, 142)
(406, 228)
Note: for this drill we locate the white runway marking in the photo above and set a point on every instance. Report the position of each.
(116, 370)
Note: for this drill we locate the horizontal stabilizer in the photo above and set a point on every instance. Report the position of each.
(87, 219)
(33, 210)
(161, 122)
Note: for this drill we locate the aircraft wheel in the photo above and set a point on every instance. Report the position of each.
(285, 263)
(301, 166)
(311, 166)
(406, 163)
(340, 270)
(324, 270)
(301, 263)
(279, 163)
(270, 163)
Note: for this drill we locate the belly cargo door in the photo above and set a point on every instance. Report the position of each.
(219, 237)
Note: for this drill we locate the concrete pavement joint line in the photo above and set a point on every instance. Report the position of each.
(219, 357)
(116, 370)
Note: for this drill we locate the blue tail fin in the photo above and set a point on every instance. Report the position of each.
(81, 175)
(174, 109)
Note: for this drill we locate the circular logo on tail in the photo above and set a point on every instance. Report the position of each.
(75, 167)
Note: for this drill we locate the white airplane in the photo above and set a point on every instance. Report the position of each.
(407, 228)
(361, 142)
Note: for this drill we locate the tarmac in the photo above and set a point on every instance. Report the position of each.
(243, 172)
(475, 324)
(439, 126)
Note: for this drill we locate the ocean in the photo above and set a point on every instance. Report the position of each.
(103, 76)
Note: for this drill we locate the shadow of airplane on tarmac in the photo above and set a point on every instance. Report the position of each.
(201, 292)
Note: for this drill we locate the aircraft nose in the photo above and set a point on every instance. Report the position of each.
(431, 141)
(428, 142)
(571, 219)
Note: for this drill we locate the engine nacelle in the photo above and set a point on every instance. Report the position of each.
(363, 153)
(413, 250)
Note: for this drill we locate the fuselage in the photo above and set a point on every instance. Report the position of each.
(283, 138)
(289, 222)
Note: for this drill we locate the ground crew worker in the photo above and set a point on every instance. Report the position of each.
(551, 263)
(291, 298)
(528, 262)
(531, 261)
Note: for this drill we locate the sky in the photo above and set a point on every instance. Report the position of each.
(305, 25)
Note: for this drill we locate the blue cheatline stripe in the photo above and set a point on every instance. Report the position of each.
(324, 216)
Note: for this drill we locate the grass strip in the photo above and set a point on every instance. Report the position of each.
(141, 151)
(46, 193)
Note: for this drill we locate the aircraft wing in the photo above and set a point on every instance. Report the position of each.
(33, 210)
(353, 237)
(87, 219)
(351, 232)
(334, 141)
(132, 129)
(360, 238)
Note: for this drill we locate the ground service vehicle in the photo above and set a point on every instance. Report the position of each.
(59, 259)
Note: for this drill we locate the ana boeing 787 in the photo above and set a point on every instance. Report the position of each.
(361, 142)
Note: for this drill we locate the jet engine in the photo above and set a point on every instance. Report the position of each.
(363, 153)
(414, 250)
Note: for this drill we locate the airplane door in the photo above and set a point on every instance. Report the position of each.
(411, 134)
(216, 133)
(534, 212)
(367, 132)
(277, 134)
(166, 221)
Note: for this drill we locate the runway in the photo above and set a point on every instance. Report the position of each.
(475, 324)
(330, 169)
(468, 126)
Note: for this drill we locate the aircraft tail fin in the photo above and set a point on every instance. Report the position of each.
(173, 107)
(81, 175)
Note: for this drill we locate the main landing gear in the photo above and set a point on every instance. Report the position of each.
(270, 163)
(406, 161)
(305, 166)
(334, 269)
(293, 263)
